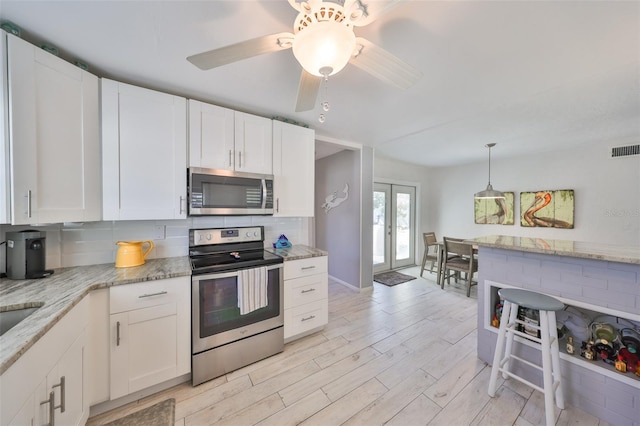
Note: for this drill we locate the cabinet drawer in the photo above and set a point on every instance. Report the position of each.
(299, 291)
(146, 294)
(305, 267)
(306, 317)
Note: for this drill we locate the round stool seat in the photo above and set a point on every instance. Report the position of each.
(530, 299)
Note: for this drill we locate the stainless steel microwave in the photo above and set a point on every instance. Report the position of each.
(224, 192)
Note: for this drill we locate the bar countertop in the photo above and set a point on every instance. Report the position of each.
(581, 249)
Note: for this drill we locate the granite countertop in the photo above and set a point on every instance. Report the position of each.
(60, 292)
(587, 250)
(298, 251)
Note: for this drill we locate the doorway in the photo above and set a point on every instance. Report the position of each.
(393, 226)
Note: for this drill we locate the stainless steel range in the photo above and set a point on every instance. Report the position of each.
(237, 300)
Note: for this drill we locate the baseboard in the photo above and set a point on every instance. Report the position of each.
(103, 407)
(344, 283)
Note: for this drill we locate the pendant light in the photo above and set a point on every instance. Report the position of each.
(489, 193)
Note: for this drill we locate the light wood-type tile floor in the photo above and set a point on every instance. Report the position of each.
(403, 355)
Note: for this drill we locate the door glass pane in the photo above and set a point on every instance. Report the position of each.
(379, 226)
(403, 219)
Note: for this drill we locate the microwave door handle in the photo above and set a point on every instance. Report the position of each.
(264, 194)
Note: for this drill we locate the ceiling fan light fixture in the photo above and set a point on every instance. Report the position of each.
(489, 192)
(324, 44)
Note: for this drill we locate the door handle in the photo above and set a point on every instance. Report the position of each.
(308, 291)
(28, 197)
(240, 159)
(118, 333)
(230, 158)
(160, 293)
(63, 392)
(50, 401)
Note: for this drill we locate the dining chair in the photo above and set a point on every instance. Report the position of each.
(430, 240)
(458, 257)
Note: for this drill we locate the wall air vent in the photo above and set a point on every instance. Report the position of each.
(625, 151)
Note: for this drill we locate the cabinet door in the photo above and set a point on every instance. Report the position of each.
(293, 170)
(54, 138)
(253, 144)
(5, 169)
(72, 367)
(144, 348)
(144, 148)
(211, 140)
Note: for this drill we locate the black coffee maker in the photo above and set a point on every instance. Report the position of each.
(26, 254)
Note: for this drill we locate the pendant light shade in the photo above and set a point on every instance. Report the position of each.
(489, 192)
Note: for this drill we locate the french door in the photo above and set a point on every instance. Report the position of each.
(393, 226)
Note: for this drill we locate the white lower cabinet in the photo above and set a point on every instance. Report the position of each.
(150, 335)
(306, 303)
(51, 378)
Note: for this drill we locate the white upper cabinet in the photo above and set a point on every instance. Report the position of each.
(211, 141)
(223, 139)
(144, 153)
(54, 138)
(293, 170)
(254, 144)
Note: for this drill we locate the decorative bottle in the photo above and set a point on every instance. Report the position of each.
(570, 348)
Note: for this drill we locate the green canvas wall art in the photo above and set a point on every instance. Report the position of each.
(499, 212)
(550, 209)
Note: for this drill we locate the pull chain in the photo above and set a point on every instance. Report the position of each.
(325, 103)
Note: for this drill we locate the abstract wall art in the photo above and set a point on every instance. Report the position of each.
(498, 211)
(549, 209)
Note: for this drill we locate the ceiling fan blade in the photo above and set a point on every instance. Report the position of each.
(307, 91)
(243, 50)
(374, 9)
(383, 65)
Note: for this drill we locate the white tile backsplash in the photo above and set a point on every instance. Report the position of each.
(95, 242)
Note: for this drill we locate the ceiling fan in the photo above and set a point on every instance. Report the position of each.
(323, 42)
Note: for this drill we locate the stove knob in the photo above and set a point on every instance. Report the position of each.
(208, 236)
(248, 234)
(255, 234)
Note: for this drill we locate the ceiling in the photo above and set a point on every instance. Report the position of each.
(529, 75)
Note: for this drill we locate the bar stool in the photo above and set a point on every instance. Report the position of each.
(547, 306)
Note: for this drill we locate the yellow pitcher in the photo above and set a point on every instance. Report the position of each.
(130, 253)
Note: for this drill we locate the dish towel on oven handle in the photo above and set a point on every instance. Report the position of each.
(252, 289)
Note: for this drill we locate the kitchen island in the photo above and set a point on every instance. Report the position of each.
(597, 280)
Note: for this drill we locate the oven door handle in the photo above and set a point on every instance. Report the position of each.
(235, 273)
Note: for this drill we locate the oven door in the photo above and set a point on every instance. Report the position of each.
(216, 317)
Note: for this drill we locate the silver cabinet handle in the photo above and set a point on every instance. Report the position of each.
(182, 199)
(240, 159)
(63, 392)
(50, 401)
(307, 267)
(28, 197)
(277, 205)
(118, 333)
(160, 293)
(230, 158)
(308, 318)
(308, 291)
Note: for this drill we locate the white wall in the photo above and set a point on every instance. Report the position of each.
(607, 193)
(338, 231)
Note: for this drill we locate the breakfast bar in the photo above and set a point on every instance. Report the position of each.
(597, 281)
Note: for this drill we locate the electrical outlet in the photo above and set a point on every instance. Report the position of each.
(159, 232)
